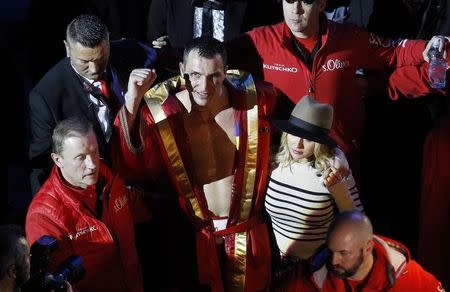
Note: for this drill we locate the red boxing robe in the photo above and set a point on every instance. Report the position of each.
(164, 145)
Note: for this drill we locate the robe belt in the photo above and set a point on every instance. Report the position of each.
(241, 227)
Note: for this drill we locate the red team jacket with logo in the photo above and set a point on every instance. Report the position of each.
(106, 243)
(393, 270)
(344, 48)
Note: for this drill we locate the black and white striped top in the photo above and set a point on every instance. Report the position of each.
(301, 208)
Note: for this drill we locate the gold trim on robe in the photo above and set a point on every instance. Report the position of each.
(154, 97)
(240, 239)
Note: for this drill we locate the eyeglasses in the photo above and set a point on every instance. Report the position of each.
(305, 1)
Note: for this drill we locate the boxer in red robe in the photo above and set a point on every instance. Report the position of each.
(210, 132)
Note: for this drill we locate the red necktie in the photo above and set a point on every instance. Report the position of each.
(105, 90)
(110, 101)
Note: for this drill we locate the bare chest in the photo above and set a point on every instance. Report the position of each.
(211, 142)
(212, 145)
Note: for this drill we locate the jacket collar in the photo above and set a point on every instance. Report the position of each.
(74, 195)
(326, 27)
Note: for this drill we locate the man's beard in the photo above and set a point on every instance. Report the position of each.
(347, 273)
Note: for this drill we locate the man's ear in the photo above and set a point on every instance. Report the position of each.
(12, 272)
(56, 159)
(67, 46)
(369, 246)
(181, 68)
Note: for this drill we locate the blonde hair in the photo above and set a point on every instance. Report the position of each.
(320, 160)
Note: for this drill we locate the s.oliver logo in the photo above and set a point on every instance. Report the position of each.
(335, 64)
(120, 202)
(280, 67)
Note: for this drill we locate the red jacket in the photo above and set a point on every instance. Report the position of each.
(393, 271)
(106, 245)
(344, 49)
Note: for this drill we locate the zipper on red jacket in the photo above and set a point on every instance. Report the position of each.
(314, 66)
(307, 76)
(312, 74)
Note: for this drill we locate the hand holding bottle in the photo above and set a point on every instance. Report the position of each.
(443, 41)
(437, 71)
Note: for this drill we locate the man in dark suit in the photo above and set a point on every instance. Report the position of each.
(179, 21)
(91, 83)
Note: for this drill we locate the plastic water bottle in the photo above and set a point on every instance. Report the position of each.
(438, 66)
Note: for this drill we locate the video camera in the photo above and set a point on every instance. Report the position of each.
(71, 270)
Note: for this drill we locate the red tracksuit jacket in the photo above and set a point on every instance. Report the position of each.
(268, 52)
(393, 271)
(106, 245)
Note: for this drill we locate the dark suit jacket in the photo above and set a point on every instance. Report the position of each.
(60, 94)
(175, 18)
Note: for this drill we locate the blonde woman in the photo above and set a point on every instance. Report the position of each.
(298, 201)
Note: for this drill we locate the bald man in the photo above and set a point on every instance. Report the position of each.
(356, 260)
(350, 243)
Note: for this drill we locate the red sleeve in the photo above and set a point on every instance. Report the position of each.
(378, 53)
(135, 153)
(408, 52)
(415, 278)
(411, 81)
(268, 99)
(38, 225)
